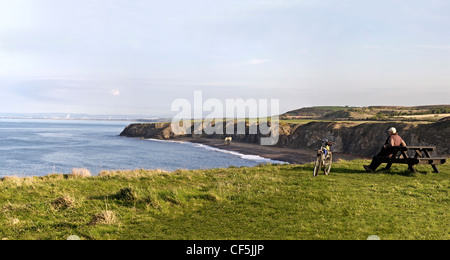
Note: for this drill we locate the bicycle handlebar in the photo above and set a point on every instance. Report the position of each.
(323, 140)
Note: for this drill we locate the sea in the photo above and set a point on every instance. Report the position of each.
(34, 147)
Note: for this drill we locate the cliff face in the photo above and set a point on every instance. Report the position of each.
(153, 130)
(364, 139)
(367, 139)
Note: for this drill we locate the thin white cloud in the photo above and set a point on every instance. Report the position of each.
(372, 47)
(290, 3)
(435, 47)
(376, 47)
(256, 62)
(115, 92)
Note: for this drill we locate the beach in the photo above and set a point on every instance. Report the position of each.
(289, 155)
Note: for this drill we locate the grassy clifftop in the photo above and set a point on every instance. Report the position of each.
(377, 113)
(266, 202)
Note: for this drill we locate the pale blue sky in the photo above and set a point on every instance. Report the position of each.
(137, 56)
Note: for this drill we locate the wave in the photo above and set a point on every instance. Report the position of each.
(56, 135)
(249, 157)
(243, 156)
(165, 141)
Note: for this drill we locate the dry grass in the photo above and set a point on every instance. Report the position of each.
(64, 202)
(426, 116)
(132, 174)
(80, 173)
(53, 176)
(14, 221)
(18, 181)
(106, 217)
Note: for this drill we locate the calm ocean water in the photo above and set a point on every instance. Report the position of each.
(41, 147)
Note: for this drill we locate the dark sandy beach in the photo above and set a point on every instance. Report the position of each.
(290, 155)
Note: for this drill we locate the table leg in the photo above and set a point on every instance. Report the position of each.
(411, 168)
(405, 155)
(427, 155)
(435, 168)
(389, 165)
(418, 154)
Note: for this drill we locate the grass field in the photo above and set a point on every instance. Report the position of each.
(266, 202)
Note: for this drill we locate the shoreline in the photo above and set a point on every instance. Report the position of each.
(282, 154)
(249, 151)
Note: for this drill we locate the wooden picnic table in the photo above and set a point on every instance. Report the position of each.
(422, 155)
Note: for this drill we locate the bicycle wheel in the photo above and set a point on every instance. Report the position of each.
(328, 163)
(318, 165)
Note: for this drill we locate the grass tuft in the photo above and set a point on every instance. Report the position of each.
(80, 173)
(106, 217)
(126, 194)
(132, 174)
(64, 202)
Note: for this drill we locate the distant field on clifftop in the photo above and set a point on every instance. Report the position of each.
(371, 113)
(266, 202)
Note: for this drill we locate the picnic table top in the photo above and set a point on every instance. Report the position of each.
(406, 148)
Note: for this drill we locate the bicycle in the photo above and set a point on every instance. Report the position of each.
(324, 158)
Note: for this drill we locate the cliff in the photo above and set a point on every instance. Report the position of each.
(364, 139)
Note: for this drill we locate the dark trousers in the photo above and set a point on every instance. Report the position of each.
(376, 162)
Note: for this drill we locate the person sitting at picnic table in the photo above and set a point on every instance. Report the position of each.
(393, 140)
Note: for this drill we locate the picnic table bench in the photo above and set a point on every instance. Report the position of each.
(422, 155)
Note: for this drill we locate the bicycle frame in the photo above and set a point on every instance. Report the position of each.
(324, 158)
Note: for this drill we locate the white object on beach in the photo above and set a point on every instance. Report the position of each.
(228, 140)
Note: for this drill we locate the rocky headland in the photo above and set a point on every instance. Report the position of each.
(351, 138)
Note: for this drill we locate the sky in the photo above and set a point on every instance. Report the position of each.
(138, 56)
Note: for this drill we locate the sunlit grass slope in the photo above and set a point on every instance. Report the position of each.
(265, 202)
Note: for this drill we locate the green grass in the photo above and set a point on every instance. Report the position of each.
(334, 108)
(266, 202)
(302, 121)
